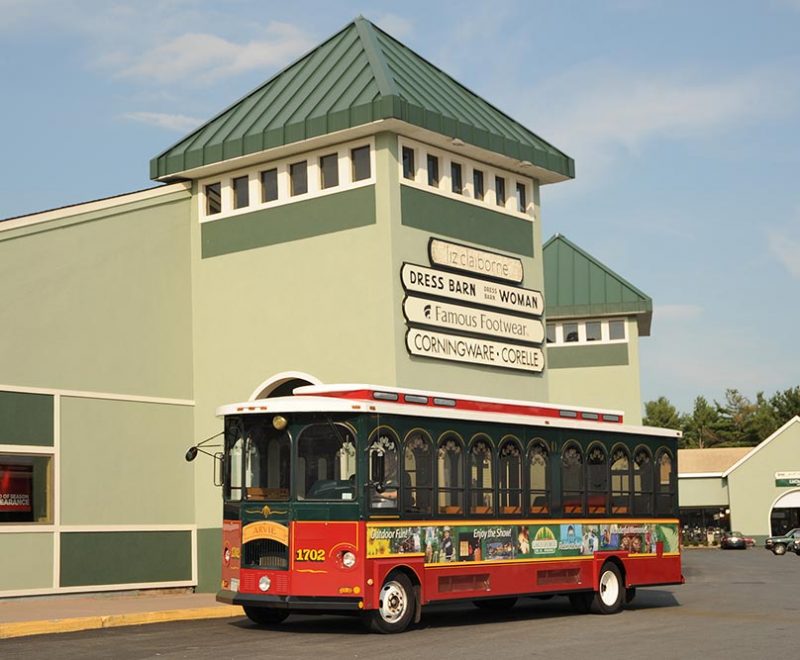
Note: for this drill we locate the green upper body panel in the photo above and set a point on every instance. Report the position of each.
(358, 76)
(578, 285)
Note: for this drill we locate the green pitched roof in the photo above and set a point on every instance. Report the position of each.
(578, 285)
(358, 76)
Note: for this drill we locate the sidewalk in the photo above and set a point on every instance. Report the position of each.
(68, 613)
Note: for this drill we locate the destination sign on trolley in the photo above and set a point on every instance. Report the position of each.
(468, 319)
(433, 282)
(476, 351)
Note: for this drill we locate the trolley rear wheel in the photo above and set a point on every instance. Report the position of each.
(610, 592)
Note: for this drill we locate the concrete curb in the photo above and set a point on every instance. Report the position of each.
(51, 626)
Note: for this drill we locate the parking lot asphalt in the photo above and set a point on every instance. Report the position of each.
(735, 604)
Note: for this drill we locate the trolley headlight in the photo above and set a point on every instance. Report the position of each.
(348, 559)
(264, 583)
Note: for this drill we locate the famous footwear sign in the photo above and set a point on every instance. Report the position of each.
(469, 319)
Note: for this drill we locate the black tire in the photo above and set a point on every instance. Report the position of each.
(264, 616)
(610, 592)
(496, 604)
(396, 606)
(779, 549)
(581, 602)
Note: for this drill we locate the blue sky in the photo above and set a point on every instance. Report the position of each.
(683, 119)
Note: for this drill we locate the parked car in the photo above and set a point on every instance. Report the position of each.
(780, 544)
(733, 541)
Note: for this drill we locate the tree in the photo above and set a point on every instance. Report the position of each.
(786, 405)
(738, 424)
(662, 413)
(701, 428)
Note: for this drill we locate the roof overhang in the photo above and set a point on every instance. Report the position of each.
(450, 143)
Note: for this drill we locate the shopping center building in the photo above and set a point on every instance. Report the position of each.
(360, 217)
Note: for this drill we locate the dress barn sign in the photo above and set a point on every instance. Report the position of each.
(434, 282)
(493, 309)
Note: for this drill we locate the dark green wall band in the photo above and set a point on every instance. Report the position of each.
(467, 222)
(573, 357)
(26, 419)
(291, 222)
(97, 558)
(209, 559)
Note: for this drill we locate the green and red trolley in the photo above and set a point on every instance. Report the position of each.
(378, 501)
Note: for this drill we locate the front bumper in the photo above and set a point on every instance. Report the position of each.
(301, 604)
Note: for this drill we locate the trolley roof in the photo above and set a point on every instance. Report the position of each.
(404, 401)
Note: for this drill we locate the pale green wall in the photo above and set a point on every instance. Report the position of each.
(752, 485)
(27, 561)
(317, 305)
(409, 244)
(122, 463)
(702, 492)
(100, 301)
(616, 387)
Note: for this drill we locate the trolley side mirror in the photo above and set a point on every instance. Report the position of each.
(219, 468)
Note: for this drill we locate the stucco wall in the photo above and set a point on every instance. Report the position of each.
(615, 386)
(752, 485)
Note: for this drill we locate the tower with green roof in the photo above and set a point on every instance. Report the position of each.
(594, 321)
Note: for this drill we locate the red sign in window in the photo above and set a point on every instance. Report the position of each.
(15, 488)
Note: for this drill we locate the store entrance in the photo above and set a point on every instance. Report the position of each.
(785, 514)
(782, 520)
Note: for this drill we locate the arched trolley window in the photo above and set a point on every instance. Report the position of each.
(509, 476)
(539, 476)
(642, 481)
(481, 475)
(620, 480)
(326, 462)
(596, 480)
(572, 488)
(450, 474)
(418, 473)
(665, 485)
(383, 487)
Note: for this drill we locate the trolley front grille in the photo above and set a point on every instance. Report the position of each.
(266, 553)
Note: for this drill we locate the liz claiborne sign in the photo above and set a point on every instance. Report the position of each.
(473, 308)
(787, 478)
(481, 262)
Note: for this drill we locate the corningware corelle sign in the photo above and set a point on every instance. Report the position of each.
(480, 262)
(476, 351)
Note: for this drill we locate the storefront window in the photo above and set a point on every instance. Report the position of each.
(26, 488)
